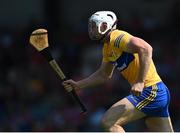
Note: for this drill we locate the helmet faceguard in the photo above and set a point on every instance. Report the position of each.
(97, 19)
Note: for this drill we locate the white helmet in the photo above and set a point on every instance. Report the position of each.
(104, 16)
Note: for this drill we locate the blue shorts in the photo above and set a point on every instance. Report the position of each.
(154, 100)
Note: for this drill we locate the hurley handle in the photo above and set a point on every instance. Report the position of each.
(46, 53)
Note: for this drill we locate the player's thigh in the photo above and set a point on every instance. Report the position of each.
(159, 124)
(121, 113)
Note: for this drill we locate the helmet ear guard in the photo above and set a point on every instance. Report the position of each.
(108, 26)
(101, 17)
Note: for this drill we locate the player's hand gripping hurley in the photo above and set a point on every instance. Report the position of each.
(39, 40)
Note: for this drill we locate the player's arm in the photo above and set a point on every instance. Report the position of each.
(144, 50)
(100, 76)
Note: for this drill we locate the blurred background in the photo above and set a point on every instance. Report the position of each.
(31, 95)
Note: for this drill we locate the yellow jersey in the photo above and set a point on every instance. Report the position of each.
(127, 63)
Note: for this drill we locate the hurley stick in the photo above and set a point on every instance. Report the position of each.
(39, 40)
